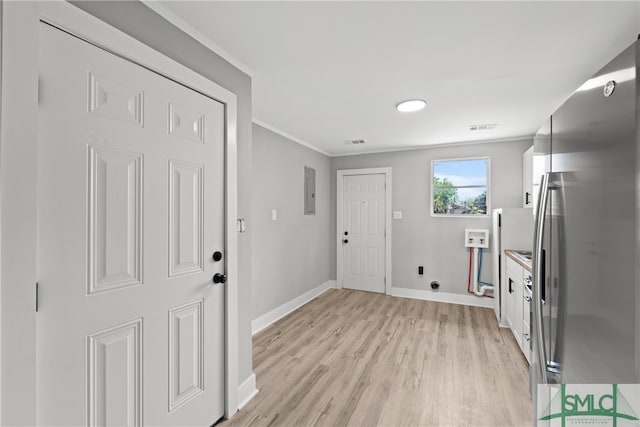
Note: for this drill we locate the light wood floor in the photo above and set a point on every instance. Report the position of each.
(363, 359)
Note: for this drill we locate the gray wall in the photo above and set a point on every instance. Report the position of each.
(140, 22)
(436, 243)
(291, 255)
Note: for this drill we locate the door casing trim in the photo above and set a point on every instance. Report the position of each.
(18, 221)
(339, 225)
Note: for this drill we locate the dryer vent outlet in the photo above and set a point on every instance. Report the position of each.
(435, 285)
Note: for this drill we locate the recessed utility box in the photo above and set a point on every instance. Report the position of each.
(309, 191)
(476, 238)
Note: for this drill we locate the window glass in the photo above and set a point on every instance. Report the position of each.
(460, 187)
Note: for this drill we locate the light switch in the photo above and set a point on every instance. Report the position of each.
(274, 215)
(397, 214)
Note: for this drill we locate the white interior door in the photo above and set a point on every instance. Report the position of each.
(130, 328)
(363, 237)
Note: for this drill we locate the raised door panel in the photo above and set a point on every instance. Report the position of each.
(354, 223)
(373, 227)
(186, 123)
(185, 218)
(115, 100)
(186, 357)
(373, 259)
(114, 219)
(355, 262)
(115, 376)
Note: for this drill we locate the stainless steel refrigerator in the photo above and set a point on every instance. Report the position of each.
(585, 257)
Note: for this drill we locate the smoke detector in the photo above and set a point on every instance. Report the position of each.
(483, 127)
(355, 142)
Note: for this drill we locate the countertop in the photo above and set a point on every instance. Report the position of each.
(521, 257)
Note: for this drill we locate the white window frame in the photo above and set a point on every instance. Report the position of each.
(431, 187)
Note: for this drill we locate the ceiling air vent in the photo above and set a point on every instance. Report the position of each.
(483, 127)
(355, 142)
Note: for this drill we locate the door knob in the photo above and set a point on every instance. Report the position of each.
(219, 278)
(217, 256)
(346, 233)
(345, 241)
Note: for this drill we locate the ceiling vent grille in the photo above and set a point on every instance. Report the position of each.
(483, 127)
(355, 142)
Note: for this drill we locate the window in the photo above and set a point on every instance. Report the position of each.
(460, 187)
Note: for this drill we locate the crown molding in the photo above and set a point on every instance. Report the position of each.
(290, 137)
(187, 28)
(440, 145)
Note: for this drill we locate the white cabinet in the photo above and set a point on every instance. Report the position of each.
(525, 343)
(527, 178)
(514, 298)
(518, 305)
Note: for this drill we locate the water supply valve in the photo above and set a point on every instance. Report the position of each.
(476, 238)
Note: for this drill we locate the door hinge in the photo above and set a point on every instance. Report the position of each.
(37, 296)
(385, 280)
(38, 90)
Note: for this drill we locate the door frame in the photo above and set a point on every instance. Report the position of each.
(18, 220)
(387, 221)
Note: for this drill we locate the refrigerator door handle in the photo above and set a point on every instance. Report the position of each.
(556, 336)
(538, 274)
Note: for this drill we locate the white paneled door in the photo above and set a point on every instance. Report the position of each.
(363, 236)
(130, 327)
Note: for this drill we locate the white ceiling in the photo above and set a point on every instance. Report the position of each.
(326, 72)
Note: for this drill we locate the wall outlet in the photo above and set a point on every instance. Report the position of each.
(420, 270)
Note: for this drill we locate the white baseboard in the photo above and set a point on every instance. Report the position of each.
(247, 391)
(443, 297)
(267, 319)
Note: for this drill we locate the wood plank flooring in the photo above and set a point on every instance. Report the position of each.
(351, 358)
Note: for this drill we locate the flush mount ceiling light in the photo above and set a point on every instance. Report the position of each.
(411, 105)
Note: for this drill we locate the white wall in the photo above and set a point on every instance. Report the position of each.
(436, 243)
(140, 22)
(290, 256)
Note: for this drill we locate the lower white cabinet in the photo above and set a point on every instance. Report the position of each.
(525, 345)
(518, 304)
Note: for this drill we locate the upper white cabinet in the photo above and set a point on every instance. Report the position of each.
(527, 178)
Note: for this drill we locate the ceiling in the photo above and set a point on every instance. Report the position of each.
(327, 72)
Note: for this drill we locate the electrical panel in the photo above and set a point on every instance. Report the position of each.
(476, 238)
